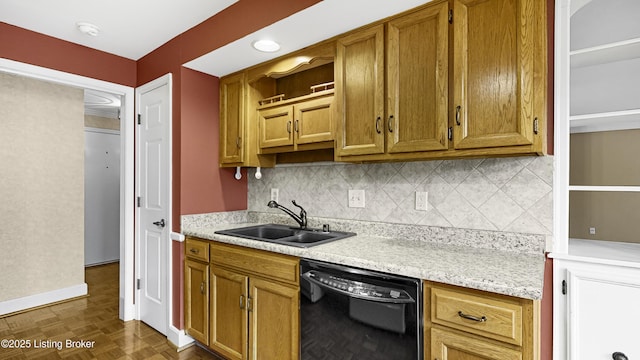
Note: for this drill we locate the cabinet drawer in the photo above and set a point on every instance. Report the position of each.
(270, 265)
(489, 315)
(197, 249)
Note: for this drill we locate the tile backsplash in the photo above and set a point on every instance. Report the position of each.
(504, 194)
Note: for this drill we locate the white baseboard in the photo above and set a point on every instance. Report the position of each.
(178, 337)
(31, 301)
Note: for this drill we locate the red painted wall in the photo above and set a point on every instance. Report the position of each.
(198, 185)
(200, 133)
(37, 49)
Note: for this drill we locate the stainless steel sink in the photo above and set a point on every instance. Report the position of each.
(286, 235)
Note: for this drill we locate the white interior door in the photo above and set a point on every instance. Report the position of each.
(154, 159)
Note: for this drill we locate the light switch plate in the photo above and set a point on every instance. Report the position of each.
(422, 202)
(274, 194)
(356, 198)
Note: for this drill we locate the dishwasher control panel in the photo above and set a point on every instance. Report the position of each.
(358, 289)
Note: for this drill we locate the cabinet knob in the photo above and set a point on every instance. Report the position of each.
(289, 126)
(378, 125)
(619, 356)
(458, 115)
(390, 123)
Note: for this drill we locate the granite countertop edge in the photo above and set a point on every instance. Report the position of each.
(502, 272)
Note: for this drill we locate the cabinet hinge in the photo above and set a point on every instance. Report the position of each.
(450, 134)
(138, 284)
(450, 16)
(564, 287)
(139, 119)
(139, 201)
(535, 126)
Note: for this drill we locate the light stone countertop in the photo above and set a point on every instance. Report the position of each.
(498, 271)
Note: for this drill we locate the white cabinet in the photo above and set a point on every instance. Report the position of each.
(600, 310)
(605, 65)
(596, 180)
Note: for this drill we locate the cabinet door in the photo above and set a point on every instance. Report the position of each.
(493, 102)
(313, 121)
(196, 302)
(447, 345)
(276, 126)
(418, 81)
(228, 313)
(360, 93)
(603, 312)
(232, 117)
(275, 321)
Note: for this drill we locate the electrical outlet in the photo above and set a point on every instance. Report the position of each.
(356, 198)
(422, 202)
(274, 194)
(592, 231)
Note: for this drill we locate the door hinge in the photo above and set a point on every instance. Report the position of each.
(139, 119)
(450, 16)
(564, 287)
(450, 134)
(535, 126)
(138, 284)
(139, 201)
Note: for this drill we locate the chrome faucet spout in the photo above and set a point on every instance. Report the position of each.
(300, 219)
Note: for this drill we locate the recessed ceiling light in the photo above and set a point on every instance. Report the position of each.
(88, 28)
(266, 45)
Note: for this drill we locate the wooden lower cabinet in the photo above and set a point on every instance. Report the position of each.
(446, 345)
(196, 290)
(466, 324)
(274, 320)
(255, 304)
(228, 313)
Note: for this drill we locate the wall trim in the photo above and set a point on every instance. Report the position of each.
(177, 237)
(31, 301)
(179, 338)
(127, 309)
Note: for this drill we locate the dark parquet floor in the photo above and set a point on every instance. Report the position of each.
(94, 318)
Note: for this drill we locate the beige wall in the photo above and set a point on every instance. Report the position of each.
(41, 187)
(100, 122)
(605, 158)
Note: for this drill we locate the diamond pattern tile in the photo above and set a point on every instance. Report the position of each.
(506, 194)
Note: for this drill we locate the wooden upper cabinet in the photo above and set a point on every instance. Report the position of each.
(412, 118)
(308, 121)
(359, 70)
(276, 126)
(417, 81)
(313, 120)
(494, 59)
(232, 119)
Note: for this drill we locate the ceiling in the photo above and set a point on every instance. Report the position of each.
(125, 31)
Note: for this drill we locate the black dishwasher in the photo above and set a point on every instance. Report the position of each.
(357, 314)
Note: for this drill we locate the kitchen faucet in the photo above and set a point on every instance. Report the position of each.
(301, 220)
